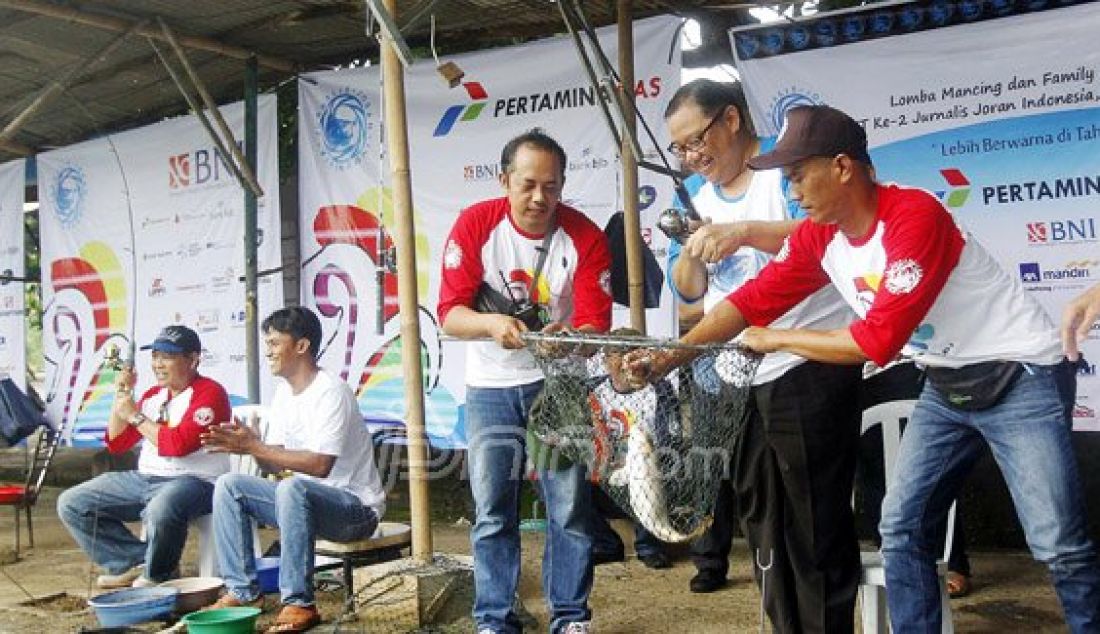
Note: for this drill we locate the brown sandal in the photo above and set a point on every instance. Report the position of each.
(958, 584)
(295, 618)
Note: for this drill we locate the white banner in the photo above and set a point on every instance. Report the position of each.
(455, 138)
(141, 230)
(999, 117)
(13, 337)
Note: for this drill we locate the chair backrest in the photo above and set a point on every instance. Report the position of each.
(892, 415)
(44, 451)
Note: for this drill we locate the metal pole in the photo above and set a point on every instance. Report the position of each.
(251, 338)
(632, 224)
(397, 142)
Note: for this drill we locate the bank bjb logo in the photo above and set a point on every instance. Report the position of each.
(788, 99)
(344, 125)
(68, 192)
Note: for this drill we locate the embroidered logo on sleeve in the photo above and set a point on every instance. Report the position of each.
(903, 276)
(452, 255)
(784, 251)
(204, 416)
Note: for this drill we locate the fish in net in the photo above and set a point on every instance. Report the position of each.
(657, 449)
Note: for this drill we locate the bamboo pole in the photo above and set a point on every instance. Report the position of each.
(397, 144)
(635, 265)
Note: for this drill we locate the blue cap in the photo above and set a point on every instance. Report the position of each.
(175, 339)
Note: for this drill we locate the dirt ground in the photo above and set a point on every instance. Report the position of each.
(1012, 592)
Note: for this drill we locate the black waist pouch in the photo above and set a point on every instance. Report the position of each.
(977, 386)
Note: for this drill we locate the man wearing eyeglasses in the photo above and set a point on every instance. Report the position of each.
(174, 481)
(793, 466)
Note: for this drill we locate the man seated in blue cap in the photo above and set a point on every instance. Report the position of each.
(174, 481)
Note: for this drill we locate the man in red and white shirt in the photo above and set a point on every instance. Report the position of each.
(547, 257)
(922, 287)
(174, 481)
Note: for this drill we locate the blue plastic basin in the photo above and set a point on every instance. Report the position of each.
(133, 605)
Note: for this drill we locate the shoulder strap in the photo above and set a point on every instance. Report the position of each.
(544, 251)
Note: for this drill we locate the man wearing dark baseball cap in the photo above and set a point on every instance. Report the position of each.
(921, 288)
(814, 131)
(174, 481)
(176, 340)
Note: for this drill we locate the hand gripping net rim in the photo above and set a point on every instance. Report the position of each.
(658, 452)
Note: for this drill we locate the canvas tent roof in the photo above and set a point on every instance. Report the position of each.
(46, 43)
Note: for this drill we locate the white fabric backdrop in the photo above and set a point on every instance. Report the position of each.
(455, 138)
(13, 338)
(1000, 118)
(140, 230)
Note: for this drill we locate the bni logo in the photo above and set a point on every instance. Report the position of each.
(958, 188)
(462, 112)
(1062, 231)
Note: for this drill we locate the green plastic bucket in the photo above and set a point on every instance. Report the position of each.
(240, 620)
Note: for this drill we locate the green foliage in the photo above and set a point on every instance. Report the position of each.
(32, 294)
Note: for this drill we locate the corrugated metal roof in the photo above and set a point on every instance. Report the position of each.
(42, 40)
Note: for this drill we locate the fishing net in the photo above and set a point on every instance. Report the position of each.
(658, 451)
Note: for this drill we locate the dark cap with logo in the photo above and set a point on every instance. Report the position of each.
(175, 339)
(814, 131)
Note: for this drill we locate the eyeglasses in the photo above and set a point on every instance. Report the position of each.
(698, 143)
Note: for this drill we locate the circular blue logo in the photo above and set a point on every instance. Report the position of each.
(344, 127)
(910, 18)
(825, 33)
(647, 194)
(882, 22)
(853, 28)
(940, 12)
(68, 193)
(772, 41)
(747, 46)
(789, 100)
(799, 37)
(970, 9)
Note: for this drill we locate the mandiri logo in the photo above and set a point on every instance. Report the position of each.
(463, 112)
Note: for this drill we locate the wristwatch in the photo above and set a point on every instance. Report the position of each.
(137, 419)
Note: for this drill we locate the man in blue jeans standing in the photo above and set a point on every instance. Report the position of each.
(314, 431)
(552, 264)
(921, 286)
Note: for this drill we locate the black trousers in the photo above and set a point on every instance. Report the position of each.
(711, 550)
(792, 480)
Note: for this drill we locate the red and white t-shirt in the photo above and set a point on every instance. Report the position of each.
(920, 285)
(574, 285)
(178, 450)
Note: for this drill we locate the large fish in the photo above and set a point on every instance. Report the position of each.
(642, 476)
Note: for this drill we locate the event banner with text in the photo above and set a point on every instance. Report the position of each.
(13, 337)
(996, 112)
(455, 138)
(141, 230)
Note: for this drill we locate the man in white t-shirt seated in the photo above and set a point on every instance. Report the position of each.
(174, 480)
(315, 431)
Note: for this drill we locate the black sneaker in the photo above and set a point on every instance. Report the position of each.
(607, 558)
(707, 581)
(655, 561)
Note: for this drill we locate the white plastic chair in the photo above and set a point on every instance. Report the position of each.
(872, 585)
(204, 524)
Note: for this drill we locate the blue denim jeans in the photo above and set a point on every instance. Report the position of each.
(1028, 432)
(496, 423)
(303, 509)
(94, 512)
